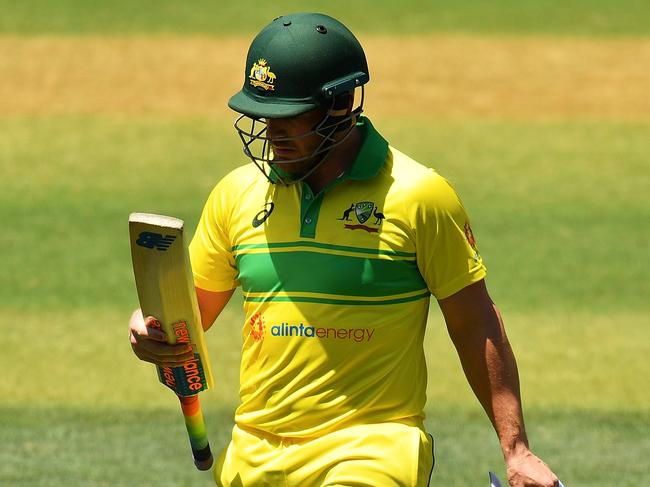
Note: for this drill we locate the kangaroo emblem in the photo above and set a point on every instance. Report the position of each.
(346, 213)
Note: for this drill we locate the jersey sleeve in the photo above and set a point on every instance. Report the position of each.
(447, 254)
(213, 263)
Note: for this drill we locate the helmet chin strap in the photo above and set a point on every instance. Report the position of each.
(339, 118)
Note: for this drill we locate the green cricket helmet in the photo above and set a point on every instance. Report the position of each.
(298, 63)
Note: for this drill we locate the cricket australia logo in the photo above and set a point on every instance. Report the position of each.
(156, 241)
(261, 75)
(364, 211)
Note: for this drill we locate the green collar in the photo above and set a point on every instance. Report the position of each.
(373, 152)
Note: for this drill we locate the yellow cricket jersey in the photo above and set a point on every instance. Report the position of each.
(336, 287)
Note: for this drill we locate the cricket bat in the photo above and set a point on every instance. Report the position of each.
(163, 278)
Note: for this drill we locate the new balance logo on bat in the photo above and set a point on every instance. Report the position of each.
(155, 240)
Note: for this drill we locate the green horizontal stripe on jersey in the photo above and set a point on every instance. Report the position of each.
(316, 272)
(344, 302)
(319, 245)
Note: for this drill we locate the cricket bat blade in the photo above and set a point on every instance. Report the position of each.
(163, 278)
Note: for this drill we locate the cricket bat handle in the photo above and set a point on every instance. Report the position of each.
(196, 431)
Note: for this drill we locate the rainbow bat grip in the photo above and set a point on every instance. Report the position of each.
(196, 431)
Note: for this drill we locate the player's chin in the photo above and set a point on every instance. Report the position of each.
(295, 168)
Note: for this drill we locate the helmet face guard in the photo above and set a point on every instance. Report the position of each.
(338, 119)
(298, 63)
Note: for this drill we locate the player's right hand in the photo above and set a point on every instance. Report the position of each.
(150, 344)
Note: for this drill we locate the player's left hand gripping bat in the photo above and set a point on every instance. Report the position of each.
(163, 277)
(494, 481)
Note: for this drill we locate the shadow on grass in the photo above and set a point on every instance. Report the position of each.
(75, 446)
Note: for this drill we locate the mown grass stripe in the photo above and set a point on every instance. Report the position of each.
(345, 302)
(208, 17)
(319, 245)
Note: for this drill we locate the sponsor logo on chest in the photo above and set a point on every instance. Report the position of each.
(258, 330)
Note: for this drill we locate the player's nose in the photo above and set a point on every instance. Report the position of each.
(275, 127)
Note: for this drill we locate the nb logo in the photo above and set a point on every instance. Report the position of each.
(155, 240)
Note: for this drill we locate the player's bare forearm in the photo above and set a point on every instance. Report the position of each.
(211, 304)
(476, 328)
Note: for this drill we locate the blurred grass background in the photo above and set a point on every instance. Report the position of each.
(574, 17)
(558, 202)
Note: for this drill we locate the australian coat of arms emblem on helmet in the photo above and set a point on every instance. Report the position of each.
(261, 75)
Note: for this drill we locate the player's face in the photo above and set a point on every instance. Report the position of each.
(284, 150)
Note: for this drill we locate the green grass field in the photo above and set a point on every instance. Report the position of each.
(577, 17)
(559, 209)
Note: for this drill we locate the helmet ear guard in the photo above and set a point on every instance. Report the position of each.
(340, 115)
(341, 92)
